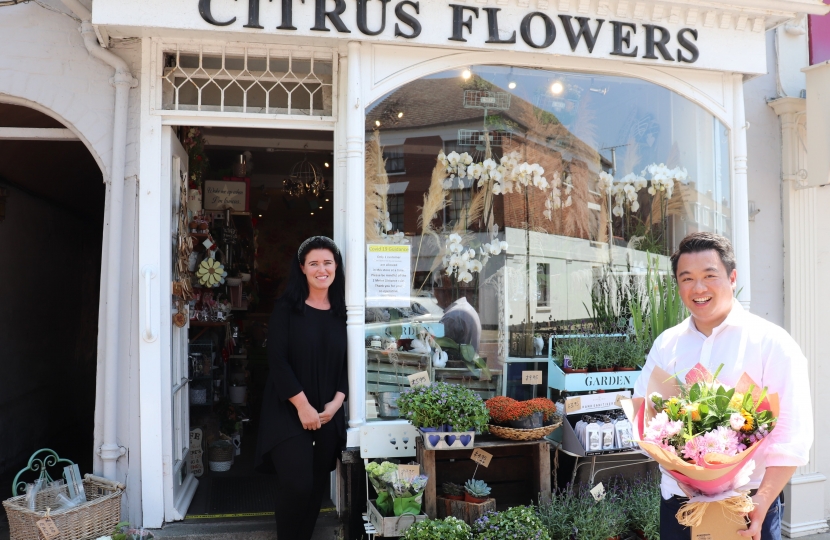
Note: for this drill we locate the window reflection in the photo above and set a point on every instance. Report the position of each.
(550, 180)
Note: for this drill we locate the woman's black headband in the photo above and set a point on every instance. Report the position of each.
(325, 239)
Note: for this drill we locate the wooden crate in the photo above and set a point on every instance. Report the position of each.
(382, 375)
(467, 512)
(519, 472)
(464, 377)
(391, 527)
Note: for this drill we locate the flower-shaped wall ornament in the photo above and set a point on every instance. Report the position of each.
(211, 273)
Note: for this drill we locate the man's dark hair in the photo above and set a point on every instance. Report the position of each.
(704, 241)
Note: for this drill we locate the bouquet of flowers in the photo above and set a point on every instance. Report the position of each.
(704, 434)
(397, 494)
(407, 493)
(376, 473)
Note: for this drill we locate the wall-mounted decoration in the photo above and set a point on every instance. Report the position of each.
(211, 273)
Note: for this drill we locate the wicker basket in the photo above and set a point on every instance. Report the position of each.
(524, 434)
(95, 518)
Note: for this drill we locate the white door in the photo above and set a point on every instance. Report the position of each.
(179, 482)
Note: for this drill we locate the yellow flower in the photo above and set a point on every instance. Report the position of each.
(737, 401)
(695, 413)
(750, 422)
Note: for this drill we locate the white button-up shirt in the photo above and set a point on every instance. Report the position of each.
(744, 343)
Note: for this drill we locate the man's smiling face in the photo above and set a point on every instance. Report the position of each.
(706, 288)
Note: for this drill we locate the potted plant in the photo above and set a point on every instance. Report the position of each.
(450, 528)
(453, 409)
(516, 414)
(517, 522)
(575, 355)
(453, 491)
(604, 353)
(476, 491)
(643, 504)
(546, 407)
(633, 355)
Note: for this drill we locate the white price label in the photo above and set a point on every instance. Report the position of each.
(408, 472)
(598, 492)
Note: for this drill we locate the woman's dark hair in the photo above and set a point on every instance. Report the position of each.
(296, 291)
(705, 241)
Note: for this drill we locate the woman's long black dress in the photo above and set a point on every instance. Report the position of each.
(306, 353)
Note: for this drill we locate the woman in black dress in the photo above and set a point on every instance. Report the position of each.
(303, 424)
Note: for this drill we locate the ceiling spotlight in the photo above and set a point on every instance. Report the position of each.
(511, 85)
(400, 114)
(260, 215)
(327, 200)
(466, 74)
(326, 164)
(557, 87)
(321, 208)
(312, 213)
(377, 123)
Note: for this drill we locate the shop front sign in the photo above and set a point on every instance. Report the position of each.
(642, 32)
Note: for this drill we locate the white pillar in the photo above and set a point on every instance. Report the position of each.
(740, 205)
(355, 241)
(804, 512)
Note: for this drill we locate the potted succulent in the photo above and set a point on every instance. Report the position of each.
(476, 491)
(517, 522)
(453, 491)
(450, 528)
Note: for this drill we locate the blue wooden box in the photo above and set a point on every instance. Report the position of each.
(586, 382)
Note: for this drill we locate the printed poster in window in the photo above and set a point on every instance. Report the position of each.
(388, 275)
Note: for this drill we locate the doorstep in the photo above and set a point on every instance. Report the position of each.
(328, 528)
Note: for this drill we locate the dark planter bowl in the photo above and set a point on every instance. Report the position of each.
(454, 497)
(604, 370)
(621, 368)
(528, 422)
(571, 370)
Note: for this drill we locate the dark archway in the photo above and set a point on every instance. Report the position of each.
(50, 273)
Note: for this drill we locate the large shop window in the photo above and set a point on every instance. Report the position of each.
(526, 191)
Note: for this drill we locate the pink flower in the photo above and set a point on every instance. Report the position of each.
(693, 450)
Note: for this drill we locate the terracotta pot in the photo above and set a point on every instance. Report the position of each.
(626, 369)
(605, 370)
(470, 499)
(571, 370)
(454, 497)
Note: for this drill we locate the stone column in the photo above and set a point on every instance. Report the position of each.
(740, 205)
(355, 239)
(804, 510)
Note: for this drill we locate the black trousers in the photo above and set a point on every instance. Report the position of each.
(303, 464)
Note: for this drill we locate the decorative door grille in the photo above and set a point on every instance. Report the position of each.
(249, 80)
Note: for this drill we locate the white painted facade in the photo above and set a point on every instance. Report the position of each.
(744, 62)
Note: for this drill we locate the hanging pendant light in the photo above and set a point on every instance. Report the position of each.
(304, 179)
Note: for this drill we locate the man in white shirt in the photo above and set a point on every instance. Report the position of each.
(720, 331)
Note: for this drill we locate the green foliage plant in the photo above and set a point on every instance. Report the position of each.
(665, 309)
(643, 504)
(573, 513)
(632, 354)
(442, 403)
(449, 528)
(519, 522)
(578, 349)
(451, 488)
